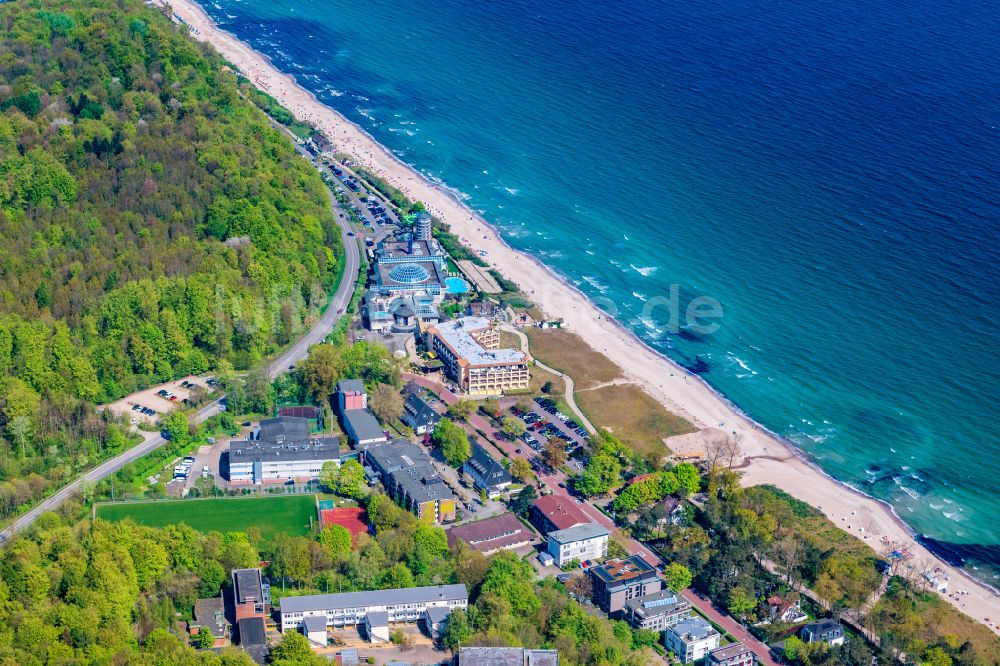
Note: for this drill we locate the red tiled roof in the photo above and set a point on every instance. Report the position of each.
(560, 511)
(353, 519)
(641, 477)
(491, 534)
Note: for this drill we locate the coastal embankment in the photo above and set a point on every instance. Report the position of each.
(768, 459)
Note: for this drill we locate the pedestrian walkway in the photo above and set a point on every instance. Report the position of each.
(570, 400)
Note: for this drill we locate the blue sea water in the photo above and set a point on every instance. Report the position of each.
(828, 171)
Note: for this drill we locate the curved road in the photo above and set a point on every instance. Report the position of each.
(292, 355)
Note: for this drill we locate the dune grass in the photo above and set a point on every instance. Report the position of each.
(633, 416)
(567, 352)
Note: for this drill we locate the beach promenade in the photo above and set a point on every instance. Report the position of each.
(770, 459)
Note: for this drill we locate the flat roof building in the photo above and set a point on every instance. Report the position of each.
(469, 348)
(490, 535)
(351, 394)
(734, 654)
(375, 607)
(362, 428)
(656, 611)
(618, 580)
(251, 596)
(410, 478)
(506, 656)
(691, 639)
(279, 450)
(252, 637)
(580, 542)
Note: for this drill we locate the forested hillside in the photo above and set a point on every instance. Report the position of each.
(152, 223)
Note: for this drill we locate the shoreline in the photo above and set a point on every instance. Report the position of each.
(662, 378)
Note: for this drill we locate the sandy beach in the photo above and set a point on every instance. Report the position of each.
(768, 459)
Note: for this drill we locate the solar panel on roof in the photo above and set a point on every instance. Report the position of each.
(661, 602)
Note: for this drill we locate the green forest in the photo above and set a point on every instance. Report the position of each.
(153, 223)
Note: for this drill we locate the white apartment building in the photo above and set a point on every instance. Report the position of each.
(690, 640)
(352, 608)
(580, 542)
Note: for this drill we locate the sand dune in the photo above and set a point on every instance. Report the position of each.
(769, 459)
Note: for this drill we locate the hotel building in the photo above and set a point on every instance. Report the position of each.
(470, 350)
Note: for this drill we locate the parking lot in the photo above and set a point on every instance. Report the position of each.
(149, 405)
(544, 422)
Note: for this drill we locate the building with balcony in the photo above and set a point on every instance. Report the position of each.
(409, 477)
(580, 542)
(656, 611)
(469, 349)
(691, 639)
(376, 609)
(621, 579)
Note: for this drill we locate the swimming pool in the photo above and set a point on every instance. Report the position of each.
(456, 285)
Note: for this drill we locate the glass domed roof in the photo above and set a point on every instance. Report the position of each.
(409, 274)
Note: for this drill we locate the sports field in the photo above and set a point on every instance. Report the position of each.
(270, 514)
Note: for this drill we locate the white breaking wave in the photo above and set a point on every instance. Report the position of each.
(644, 271)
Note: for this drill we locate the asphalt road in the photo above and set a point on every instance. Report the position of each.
(552, 481)
(292, 355)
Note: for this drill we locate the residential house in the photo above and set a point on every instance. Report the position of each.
(486, 471)
(211, 615)
(556, 512)
(656, 611)
(419, 415)
(823, 631)
(787, 609)
(490, 535)
(621, 579)
(580, 542)
(734, 654)
(691, 639)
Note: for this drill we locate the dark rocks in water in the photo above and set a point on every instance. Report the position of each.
(690, 336)
(698, 366)
(958, 554)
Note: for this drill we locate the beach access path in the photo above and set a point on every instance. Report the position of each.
(558, 484)
(570, 386)
(152, 441)
(772, 460)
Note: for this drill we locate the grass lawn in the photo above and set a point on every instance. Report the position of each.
(632, 416)
(270, 514)
(567, 352)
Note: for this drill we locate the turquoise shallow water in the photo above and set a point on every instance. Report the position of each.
(827, 172)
